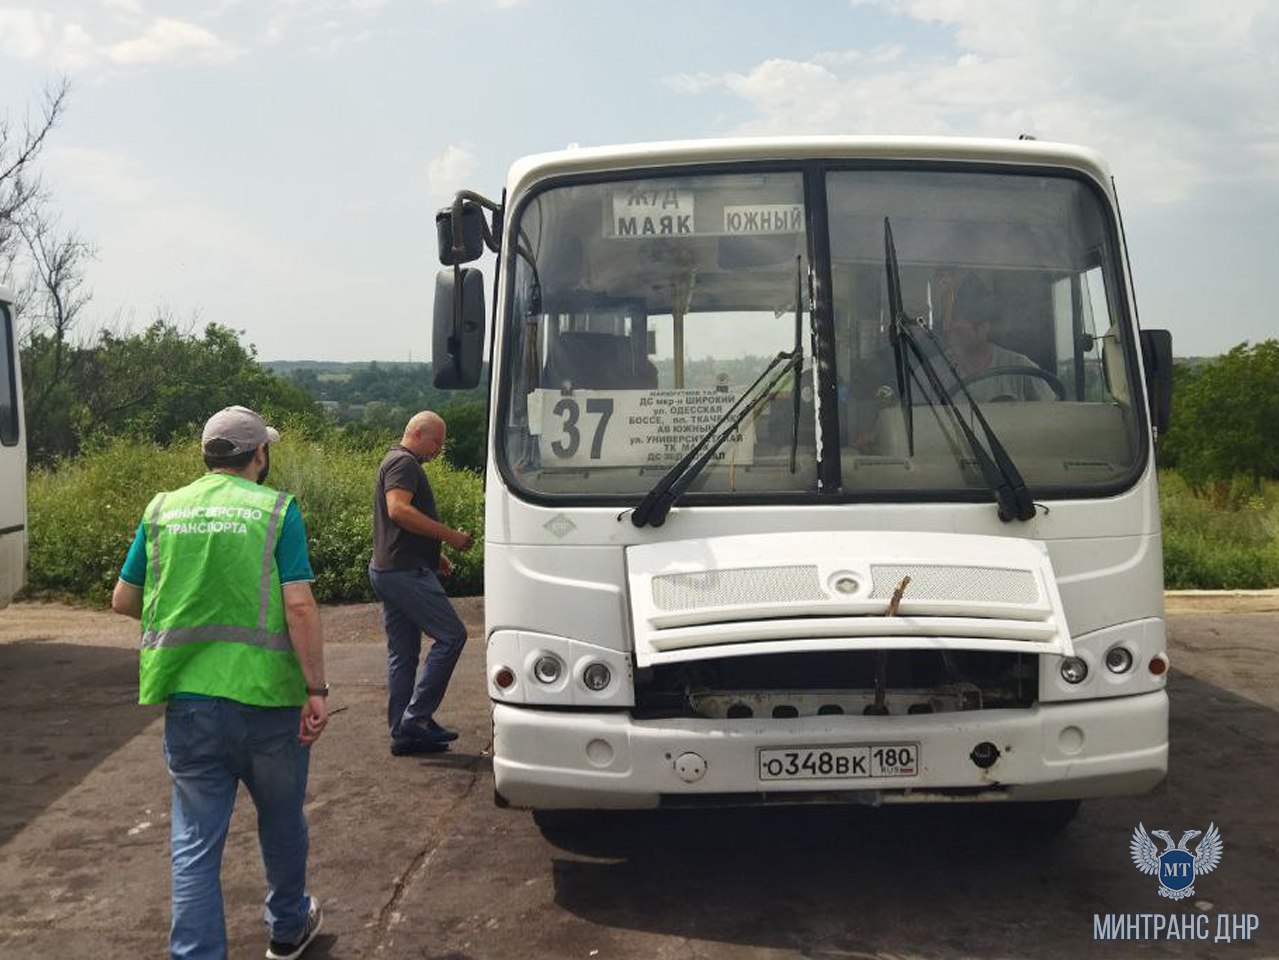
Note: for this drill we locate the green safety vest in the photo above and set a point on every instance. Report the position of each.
(212, 607)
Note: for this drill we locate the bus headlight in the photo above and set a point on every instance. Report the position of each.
(1118, 659)
(1074, 670)
(596, 676)
(540, 669)
(548, 669)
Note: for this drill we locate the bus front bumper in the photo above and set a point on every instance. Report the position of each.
(555, 759)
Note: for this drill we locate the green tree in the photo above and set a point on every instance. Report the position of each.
(384, 417)
(1225, 419)
(468, 433)
(155, 385)
(406, 387)
(163, 381)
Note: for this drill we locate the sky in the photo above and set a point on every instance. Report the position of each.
(275, 165)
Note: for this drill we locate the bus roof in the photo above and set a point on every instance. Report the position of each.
(575, 160)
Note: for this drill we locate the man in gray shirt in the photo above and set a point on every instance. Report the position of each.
(405, 571)
(966, 328)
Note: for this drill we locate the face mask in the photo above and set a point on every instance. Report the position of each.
(266, 467)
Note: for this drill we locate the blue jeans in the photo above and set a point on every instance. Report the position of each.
(210, 746)
(414, 603)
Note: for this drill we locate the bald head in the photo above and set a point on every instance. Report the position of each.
(425, 434)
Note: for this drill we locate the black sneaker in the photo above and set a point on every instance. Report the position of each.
(414, 746)
(426, 729)
(279, 950)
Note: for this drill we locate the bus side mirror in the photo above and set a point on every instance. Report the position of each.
(471, 238)
(1156, 362)
(458, 340)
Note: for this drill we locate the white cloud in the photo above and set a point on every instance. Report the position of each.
(76, 48)
(29, 35)
(790, 88)
(67, 43)
(74, 34)
(166, 40)
(1177, 92)
(25, 33)
(449, 172)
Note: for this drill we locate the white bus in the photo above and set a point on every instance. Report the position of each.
(13, 460)
(820, 469)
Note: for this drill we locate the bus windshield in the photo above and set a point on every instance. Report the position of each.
(639, 311)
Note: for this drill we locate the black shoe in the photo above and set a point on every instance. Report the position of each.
(414, 746)
(279, 950)
(426, 729)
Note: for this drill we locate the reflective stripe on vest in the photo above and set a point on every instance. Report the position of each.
(153, 540)
(268, 560)
(177, 636)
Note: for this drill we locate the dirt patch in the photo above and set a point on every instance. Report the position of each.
(38, 622)
(412, 857)
(1222, 601)
(362, 622)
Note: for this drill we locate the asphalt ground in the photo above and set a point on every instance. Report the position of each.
(412, 859)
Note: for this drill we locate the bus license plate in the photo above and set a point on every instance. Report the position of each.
(840, 762)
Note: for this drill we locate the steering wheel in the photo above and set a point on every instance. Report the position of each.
(1054, 383)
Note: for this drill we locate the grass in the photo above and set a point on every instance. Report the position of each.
(83, 514)
(1223, 540)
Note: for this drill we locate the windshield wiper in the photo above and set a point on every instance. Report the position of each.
(897, 313)
(657, 503)
(1002, 477)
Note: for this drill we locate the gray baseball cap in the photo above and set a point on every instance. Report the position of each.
(239, 427)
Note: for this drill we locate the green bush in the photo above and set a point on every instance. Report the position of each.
(83, 513)
(1219, 542)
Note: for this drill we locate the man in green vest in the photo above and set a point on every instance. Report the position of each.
(219, 576)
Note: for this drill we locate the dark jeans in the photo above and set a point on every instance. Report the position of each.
(211, 745)
(414, 603)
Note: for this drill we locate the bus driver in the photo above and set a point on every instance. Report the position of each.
(967, 310)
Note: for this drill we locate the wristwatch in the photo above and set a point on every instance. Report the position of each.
(320, 691)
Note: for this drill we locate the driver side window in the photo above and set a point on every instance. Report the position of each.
(1081, 327)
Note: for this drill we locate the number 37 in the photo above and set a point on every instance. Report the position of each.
(568, 409)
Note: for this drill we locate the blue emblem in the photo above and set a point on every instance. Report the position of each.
(1176, 868)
